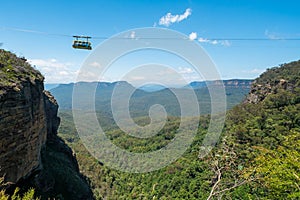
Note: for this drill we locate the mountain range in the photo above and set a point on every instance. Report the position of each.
(140, 101)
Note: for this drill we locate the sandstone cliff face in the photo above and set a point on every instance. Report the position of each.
(234, 83)
(31, 153)
(23, 129)
(28, 116)
(52, 120)
(259, 92)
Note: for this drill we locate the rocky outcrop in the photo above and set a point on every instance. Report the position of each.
(23, 129)
(285, 77)
(52, 120)
(259, 92)
(232, 83)
(59, 176)
(238, 83)
(31, 153)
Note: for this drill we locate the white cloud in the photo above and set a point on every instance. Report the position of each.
(215, 42)
(54, 71)
(225, 43)
(132, 35)
(86, 75)
(63, 73)
(164, 75)
(271, 36)
(95, 64)
(193, 36)
(137, 78)
(185, 70)
(203, 40)
(47, 63)
(169, 19)
(188, 74)
(153, 73)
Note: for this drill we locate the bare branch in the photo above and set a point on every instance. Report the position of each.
(231, 188)
(219, 174)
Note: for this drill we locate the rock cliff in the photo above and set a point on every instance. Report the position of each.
(232, 83)
(23, 127)
(29, 145)
(285, 77)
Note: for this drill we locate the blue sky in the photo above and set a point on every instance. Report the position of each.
(203, 21)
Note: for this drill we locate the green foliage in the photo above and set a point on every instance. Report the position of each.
(28, 195)
(266, 136)
(14, 70)
(187, 178)
(279, 170)
(289, 72)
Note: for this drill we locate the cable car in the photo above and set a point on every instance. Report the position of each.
(82, 44)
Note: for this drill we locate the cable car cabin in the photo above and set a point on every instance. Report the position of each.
(80, 44)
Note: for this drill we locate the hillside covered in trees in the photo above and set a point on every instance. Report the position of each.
(263, 137)
(257, 156)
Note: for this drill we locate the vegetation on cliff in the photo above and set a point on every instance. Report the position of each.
(14, 71)
(265, 137)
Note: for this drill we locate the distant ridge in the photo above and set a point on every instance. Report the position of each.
(144, 97)
(49, 86)
(244, 83)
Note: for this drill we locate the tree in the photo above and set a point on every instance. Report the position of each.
(278, 171)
